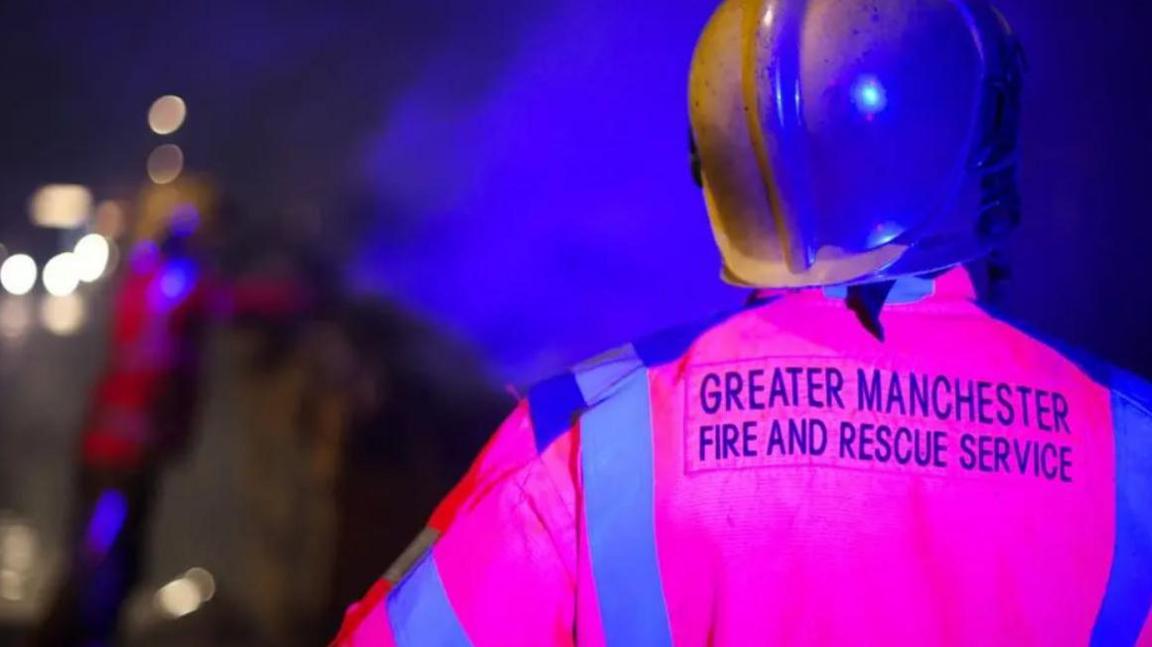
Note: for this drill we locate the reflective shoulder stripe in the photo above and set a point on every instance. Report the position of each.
(1128, 598)
(553, 405)
(618, 468)
(420, 612)
(556, 402)
(414, 551)
(599, 377)
(671, 344)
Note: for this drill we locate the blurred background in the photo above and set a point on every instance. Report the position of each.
(328, 241)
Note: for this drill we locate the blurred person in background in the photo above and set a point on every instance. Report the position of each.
(141, 414)
(354, 418)
(144, 407)
(863, 453)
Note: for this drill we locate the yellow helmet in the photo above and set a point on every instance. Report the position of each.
(841, 141)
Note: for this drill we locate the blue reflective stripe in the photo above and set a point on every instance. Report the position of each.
(598, 377)
(669, 345)
(554, 405)
(419, 610)
(1128, 598)
(617, 460)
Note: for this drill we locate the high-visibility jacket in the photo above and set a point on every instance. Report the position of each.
(781, 476)
(142, 402)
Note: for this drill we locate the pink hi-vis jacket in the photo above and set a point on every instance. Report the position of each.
(780, 476)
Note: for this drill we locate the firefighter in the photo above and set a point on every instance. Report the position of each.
(868, 456)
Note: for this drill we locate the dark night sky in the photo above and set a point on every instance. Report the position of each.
(519, 166)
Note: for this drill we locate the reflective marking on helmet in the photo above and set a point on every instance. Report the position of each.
(749, 78)
(617, 460)
(420, 612)
(869, 95)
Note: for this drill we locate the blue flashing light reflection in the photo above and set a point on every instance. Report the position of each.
(869, 95)
(884, 233)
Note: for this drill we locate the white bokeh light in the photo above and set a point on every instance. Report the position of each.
(62, 316)
(165, 163)
(18, 557)
(61, 274)
(203, 580)
(18, 274)
(91, 253)
(179, 598)
(167, 114)
(61, 206)
(186, 593)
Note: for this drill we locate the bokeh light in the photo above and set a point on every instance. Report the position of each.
(61, 206)
(17, 546)
(167, 114)
(108, 221)
(177, 279)
(18, 274)
(203, 581)
(61, 274)
(186, 593)
(113, 258)
(165, 163)
(15, 317)
(18, 556)
(12, 585)
(63, 315)
(91, 253)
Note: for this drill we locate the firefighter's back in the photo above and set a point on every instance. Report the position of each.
(957, 482)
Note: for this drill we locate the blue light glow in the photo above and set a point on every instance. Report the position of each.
(185, 220)
(172, 285)
(558, 205)
(884, 233)
(869, 95)
(106, 522)
(177, 279)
